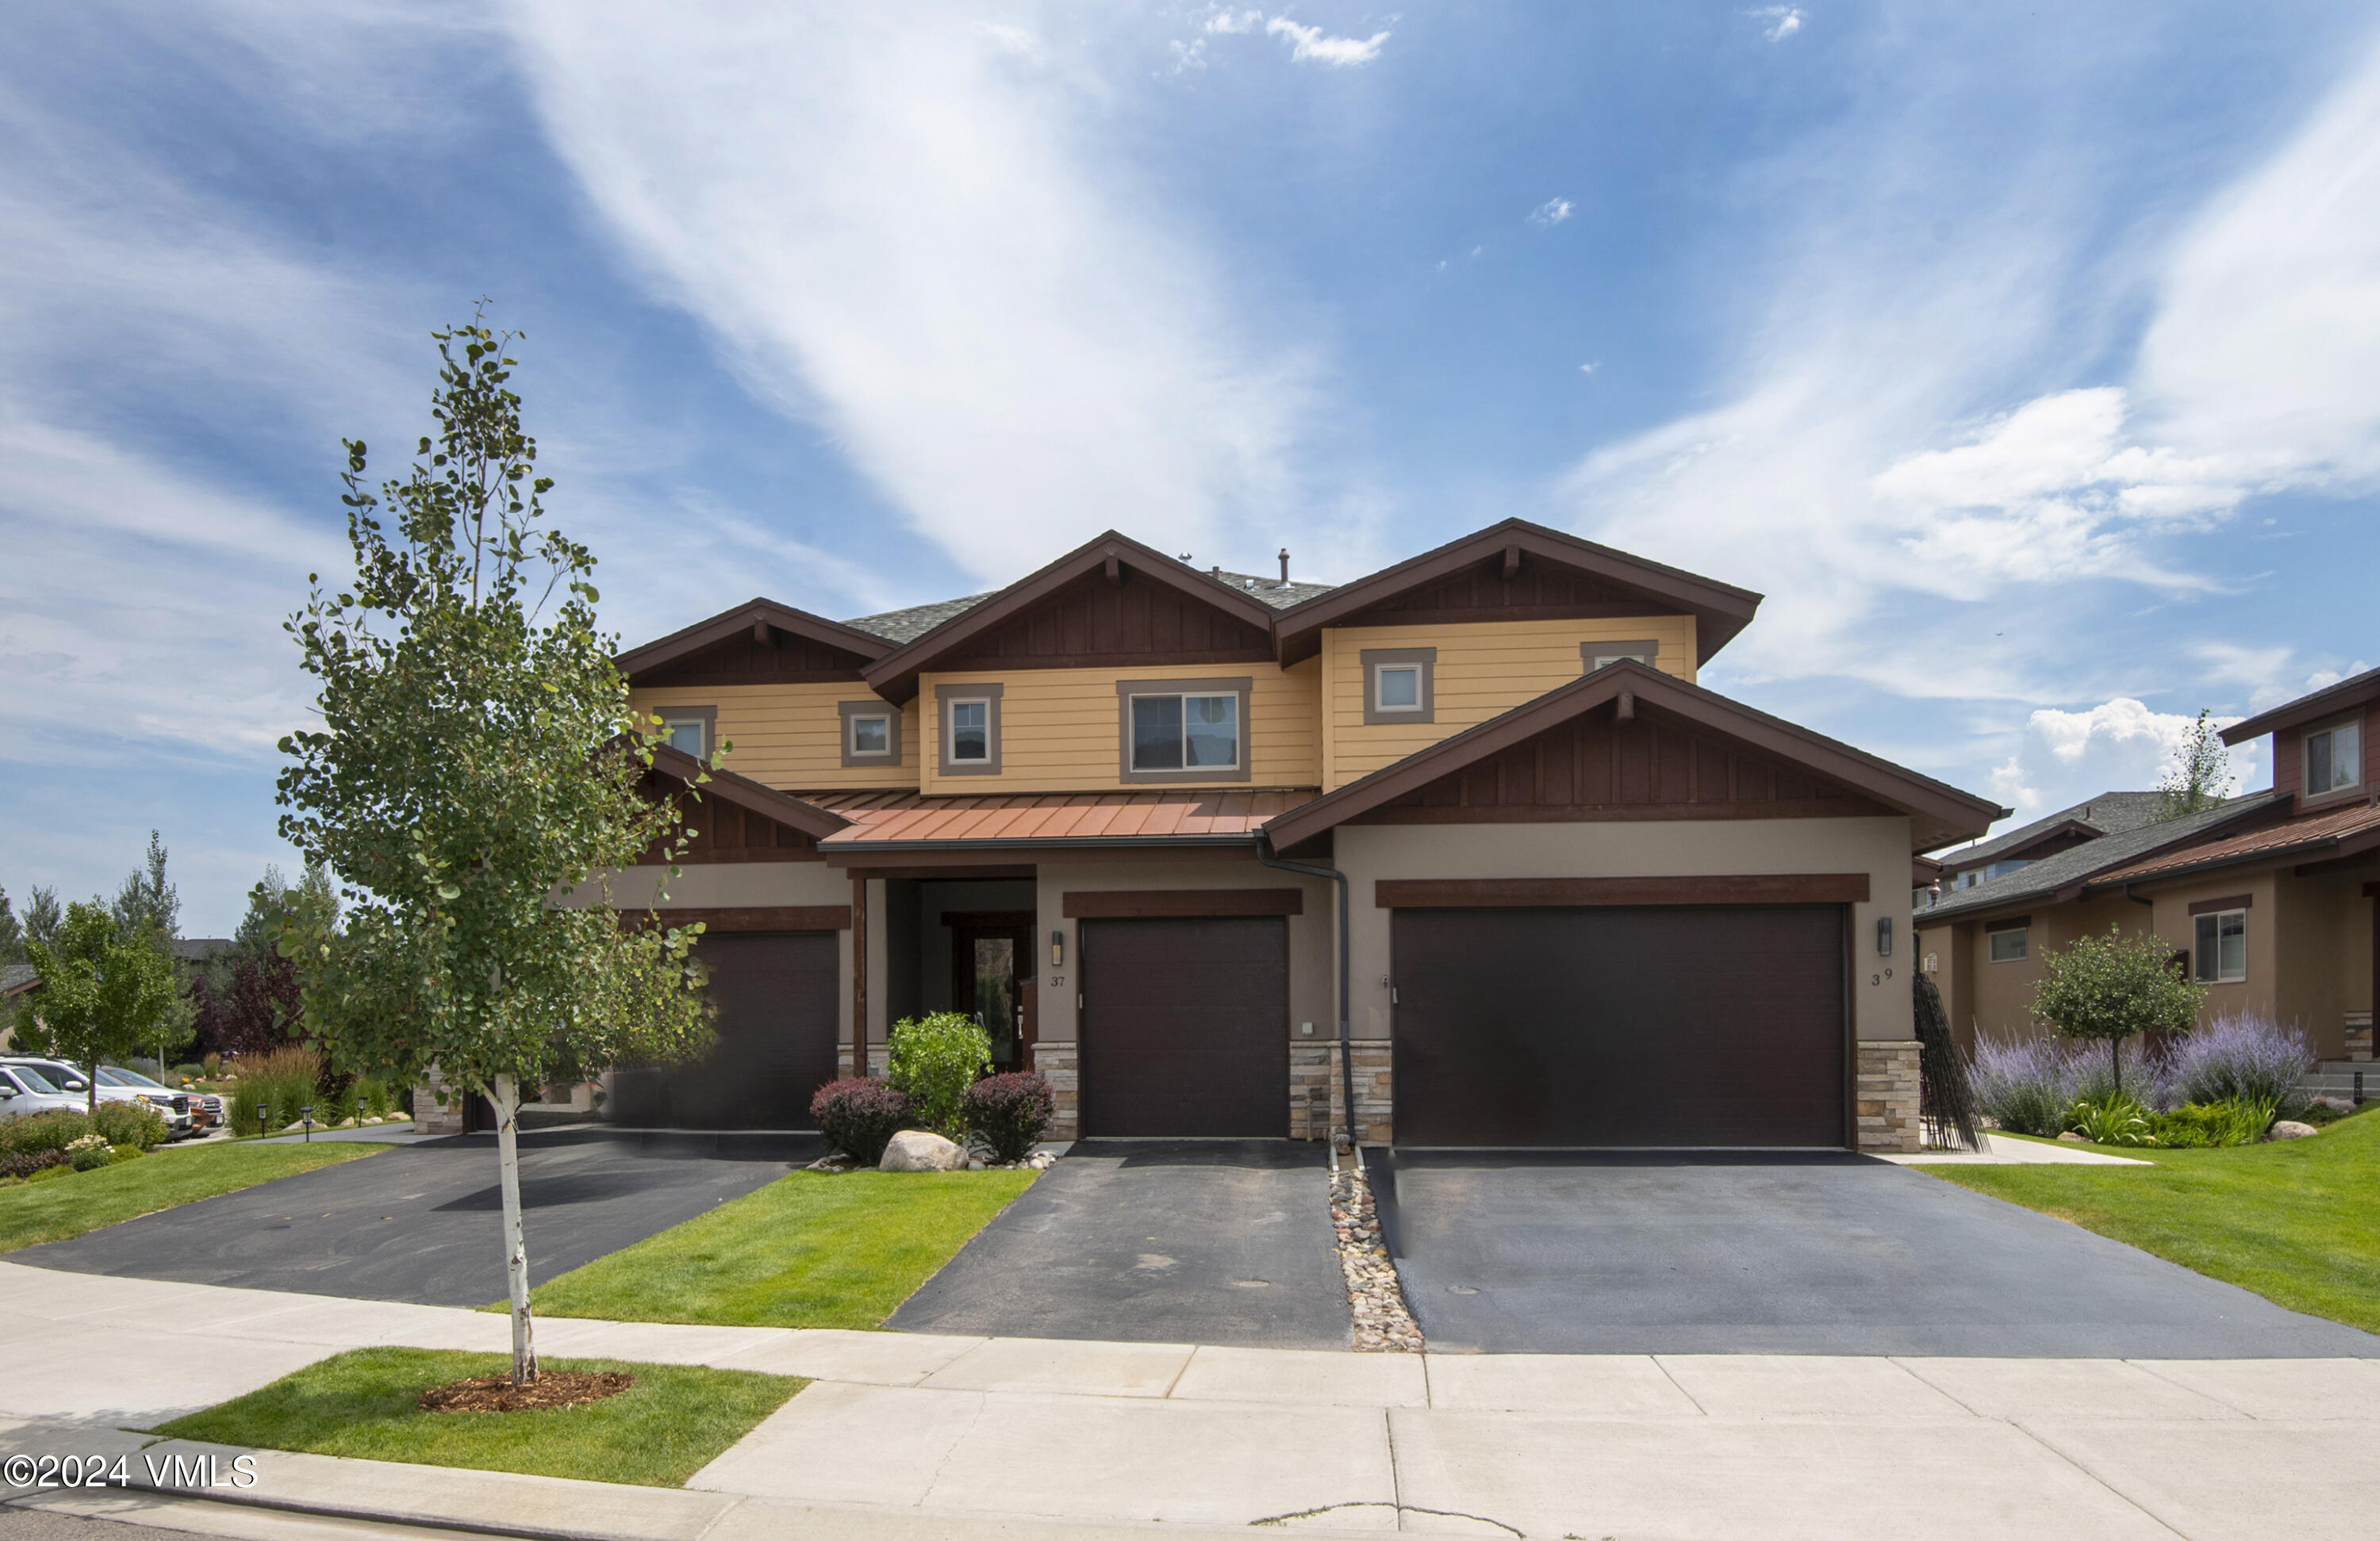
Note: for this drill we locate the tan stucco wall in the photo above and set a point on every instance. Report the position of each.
(1877, 846)
(790, 736)
(1313, 961)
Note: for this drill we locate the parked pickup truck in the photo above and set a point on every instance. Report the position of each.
(25, 1091)
(115, 1086)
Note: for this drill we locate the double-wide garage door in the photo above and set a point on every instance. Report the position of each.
(1185, 1027)
(1678, 1026)
(777, 997)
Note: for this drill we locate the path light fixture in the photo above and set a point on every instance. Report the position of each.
(308, 1115)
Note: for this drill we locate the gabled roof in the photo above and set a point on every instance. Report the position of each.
(2331, 834)
(1720, 610)
(756, 617)
(2306, 708)
(895, 675)
(901, 626)
(2109, 813)
(746, 792)
(2048, 877)
(1938, 812)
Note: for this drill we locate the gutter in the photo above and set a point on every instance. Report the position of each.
(1346, 1055)
(1044, 842)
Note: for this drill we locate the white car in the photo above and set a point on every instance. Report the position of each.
(24, 1091)
(115, 1086)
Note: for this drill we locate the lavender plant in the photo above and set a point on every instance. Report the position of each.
(2243, 1058)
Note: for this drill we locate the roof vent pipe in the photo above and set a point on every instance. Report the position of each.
(1285, 566)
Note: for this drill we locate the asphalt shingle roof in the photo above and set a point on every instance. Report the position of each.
(906, 626)
(2053, 872)
(16, 977)
(2109, 813)
(2311, 829)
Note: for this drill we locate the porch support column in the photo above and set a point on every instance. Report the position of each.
(858, 975)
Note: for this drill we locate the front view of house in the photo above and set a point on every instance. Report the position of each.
(1172, 832)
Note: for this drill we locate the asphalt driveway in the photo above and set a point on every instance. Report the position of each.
(1696, 1253)
(1224, 1241)
(424, 1222)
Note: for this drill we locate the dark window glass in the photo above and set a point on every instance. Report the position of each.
(1157, 733)
(970, 730)
(1211, 726)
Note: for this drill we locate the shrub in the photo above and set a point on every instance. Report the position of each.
(24, 1163)
(2026, 1085)
(2239, 1058)
(1010, 1112)
(2118, 1121)
(272, 1087)
(371, 1096)
(33, 1133)
(934, 1059)
(860, 1115)
(2200, 1124)
(127, 1124)
(189, 1073)
(90, 1153)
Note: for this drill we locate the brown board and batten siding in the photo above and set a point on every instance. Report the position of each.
(1092, 621)
(742, 659)
(718, 831)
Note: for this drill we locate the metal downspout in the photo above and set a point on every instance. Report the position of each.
(1346, 1052)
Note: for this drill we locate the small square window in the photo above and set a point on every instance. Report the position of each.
(685, 734)
(2009, 946)
(2333, 760)
(1397, 687)
(871, 735)
(2220, 955)
(970, 732)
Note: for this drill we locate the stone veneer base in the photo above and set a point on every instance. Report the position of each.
(1885, 1102)
(1058, 1065)
(1315, 1090)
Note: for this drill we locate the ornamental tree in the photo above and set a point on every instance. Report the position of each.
(2112, 986)
(104, 991)
(476, 761)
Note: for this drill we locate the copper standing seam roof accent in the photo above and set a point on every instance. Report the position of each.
(888, 819)
(2312, 830)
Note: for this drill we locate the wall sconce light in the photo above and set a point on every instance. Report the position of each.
(1058, 949)
(1884, 936)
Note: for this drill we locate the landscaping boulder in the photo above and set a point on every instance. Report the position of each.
(916, 1150)
(2291, 1129)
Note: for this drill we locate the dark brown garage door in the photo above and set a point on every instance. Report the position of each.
(777, 995)
(1668, 1026)
(1185, 1027)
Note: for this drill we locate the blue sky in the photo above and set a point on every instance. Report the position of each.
(2029, 361)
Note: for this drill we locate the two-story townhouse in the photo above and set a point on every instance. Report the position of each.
(2272, 900)
(1176, 835)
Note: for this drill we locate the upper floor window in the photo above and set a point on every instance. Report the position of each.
(872, 734)
(1185, 733)
(688, 729)
(970, 729)
(1399, 685)
(2219, 955)
(2333, 758)
(1602, 655)
(2006, 940)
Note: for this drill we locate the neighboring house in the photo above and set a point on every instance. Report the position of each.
(2109, 813)
(2272, 901)
(1589, 902)
(16, 981)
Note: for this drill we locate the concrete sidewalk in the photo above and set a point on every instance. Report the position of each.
(911, 1436)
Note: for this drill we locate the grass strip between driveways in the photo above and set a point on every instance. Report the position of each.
(2295, 1221)
(671, 1422)
(59, 1208)
(811, 1249)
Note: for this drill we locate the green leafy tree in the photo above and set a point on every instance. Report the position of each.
(149, 906)
(933, 1060)
(477, 758)
(43, 915)
(12, 932)
(2114, 987)
(103, 992)
(2199, 776)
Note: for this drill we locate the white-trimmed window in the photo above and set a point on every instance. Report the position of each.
(2219, 955)
(2333, 758)
(969, 727)
(871, 735)
(688, 732)
(1396, 687)
(1185, 733)
(2007, 942)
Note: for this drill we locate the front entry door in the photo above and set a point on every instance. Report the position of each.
(991, 980)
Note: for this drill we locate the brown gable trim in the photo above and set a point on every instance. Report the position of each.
(1149, 904)
(2308, 709)
(748, 793)
(757, 618)
(1938, 813)
(780, 917)
(1720, 609)
(2237, 901)
(1756, 888)
(895, 675)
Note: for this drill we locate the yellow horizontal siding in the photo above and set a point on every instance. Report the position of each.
(1484, 669)
(790, 736)
(1060, 728)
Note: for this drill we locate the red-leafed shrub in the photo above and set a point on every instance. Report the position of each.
(1009, 1112)
(24, 1163)
(860, 1115)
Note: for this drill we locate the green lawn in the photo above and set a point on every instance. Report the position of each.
(54, 1208)
(667, 1426)
(811, 1249)
(2297, 1221)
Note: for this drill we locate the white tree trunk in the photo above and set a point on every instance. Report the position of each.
(505, 1095)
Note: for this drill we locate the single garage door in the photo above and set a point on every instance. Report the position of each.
(1185, 1027)
(1663, 1026)
(778, 996)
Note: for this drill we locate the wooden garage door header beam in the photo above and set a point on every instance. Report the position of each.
(780, 917)
(1801, 888)
(1149, 904)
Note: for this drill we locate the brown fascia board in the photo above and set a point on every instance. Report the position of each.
(2337, 847)
(1720, 609)
(1925, 799)
(726, 623)
(746, 792)
(895, 675)
(1953, 864)
(2306, 708)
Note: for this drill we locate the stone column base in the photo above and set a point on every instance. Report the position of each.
(429, 1118)
(2359, 1034)
(1314, 1095)
(1057, 1063)
(1885, 1104)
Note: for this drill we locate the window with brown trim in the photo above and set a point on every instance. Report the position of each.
(970, 729)
(1399, 685)
(1194, 729)
(872, 734)
(689, 730)
(2219, 947)
(2334, 758)
(2005, 940)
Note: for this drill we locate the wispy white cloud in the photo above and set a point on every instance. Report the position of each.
(1552, 212)
(2061, 757)
(1778, 23)
(1312, 45)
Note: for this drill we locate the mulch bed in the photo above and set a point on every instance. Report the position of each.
(497, 1393)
